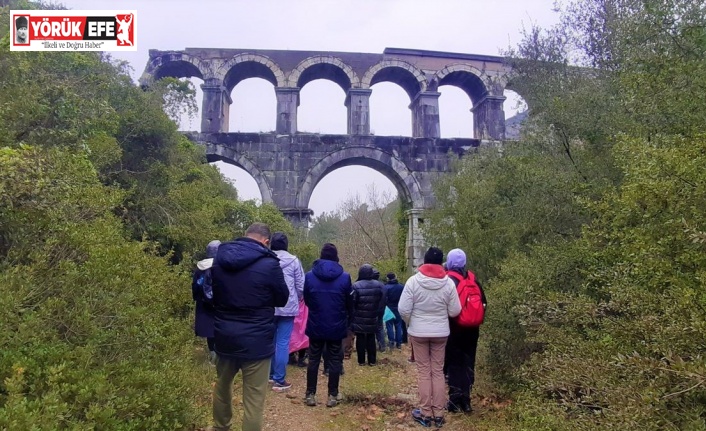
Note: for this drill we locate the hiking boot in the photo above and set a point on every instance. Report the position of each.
(424, 421)
(310, 400)
(439, 421)
(281, 386)
(466, 407)
(332, 401)
(453, 407)
(302, 363)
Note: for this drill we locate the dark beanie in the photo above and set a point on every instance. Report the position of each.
(391, 276)
(21, 22)
(434, 255)
(329, 252)
(279, 241)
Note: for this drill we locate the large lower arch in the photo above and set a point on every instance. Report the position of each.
(390, 166)
(411, 79)
(216, 152)
(324, 67)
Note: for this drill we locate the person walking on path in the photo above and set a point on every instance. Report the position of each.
(368, 309)
(201, 291)
(327, 293)
(248, 284)
(299, 342)
(380, 333)
(428, 300)
(393, 291)
(284, 316)
(462, 342)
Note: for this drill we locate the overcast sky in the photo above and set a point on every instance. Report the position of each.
(369, 26)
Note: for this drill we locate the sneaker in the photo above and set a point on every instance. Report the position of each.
(339, 397)
(439, 421)
(310, 400)
(424, 421)
(332, 401)
(281, 386)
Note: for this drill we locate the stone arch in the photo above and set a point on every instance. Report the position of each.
(323, 67)
(468, 78)
(387, 164)
(218, 152)
(177, 65)
(399, 72)
(244, 66)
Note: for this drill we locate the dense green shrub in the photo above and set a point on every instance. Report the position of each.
(91, 324)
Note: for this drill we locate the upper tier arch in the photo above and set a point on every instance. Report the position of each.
(247, 65)
(323, 67)
(410, 78)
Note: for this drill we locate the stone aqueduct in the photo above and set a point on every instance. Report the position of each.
(287, 164)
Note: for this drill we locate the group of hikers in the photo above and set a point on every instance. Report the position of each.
(255, 306)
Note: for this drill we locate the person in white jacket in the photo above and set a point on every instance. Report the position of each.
(428, 300)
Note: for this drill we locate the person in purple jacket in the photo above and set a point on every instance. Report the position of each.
(284, 316)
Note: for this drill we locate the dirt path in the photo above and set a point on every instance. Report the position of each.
(376, 399)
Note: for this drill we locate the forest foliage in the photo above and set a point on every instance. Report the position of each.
(103, 207)
(590, 231)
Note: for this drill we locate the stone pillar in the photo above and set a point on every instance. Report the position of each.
(299, 217)
(489, 118)
(425, 115)
(415, 239)
(287, 103)
(358, 104)
(215, 108)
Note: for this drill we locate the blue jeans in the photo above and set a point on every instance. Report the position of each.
(283, 332)
(394, 330)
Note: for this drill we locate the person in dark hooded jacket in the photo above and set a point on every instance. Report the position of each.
(393, 291)
(248, 284)
(327, 293)
(368, 309)
(203, 295)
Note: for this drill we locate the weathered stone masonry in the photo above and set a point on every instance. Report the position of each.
(287, 165)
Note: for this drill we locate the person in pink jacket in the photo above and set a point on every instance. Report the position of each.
(428, 300)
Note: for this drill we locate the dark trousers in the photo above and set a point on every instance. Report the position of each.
(365, 342)
(461, 362)
(404, 332)
(334, 358)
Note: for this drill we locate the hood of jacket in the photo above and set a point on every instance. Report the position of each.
(285, 258)
(239, 254)
(366, 272)
(431, 277)
(205, 264)
(326, 270)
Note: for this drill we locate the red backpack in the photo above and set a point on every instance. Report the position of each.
(472, 311)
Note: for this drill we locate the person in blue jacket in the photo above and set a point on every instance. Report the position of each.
(248, 283)
(327, 293)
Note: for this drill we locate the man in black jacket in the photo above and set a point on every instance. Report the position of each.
(248, 284)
